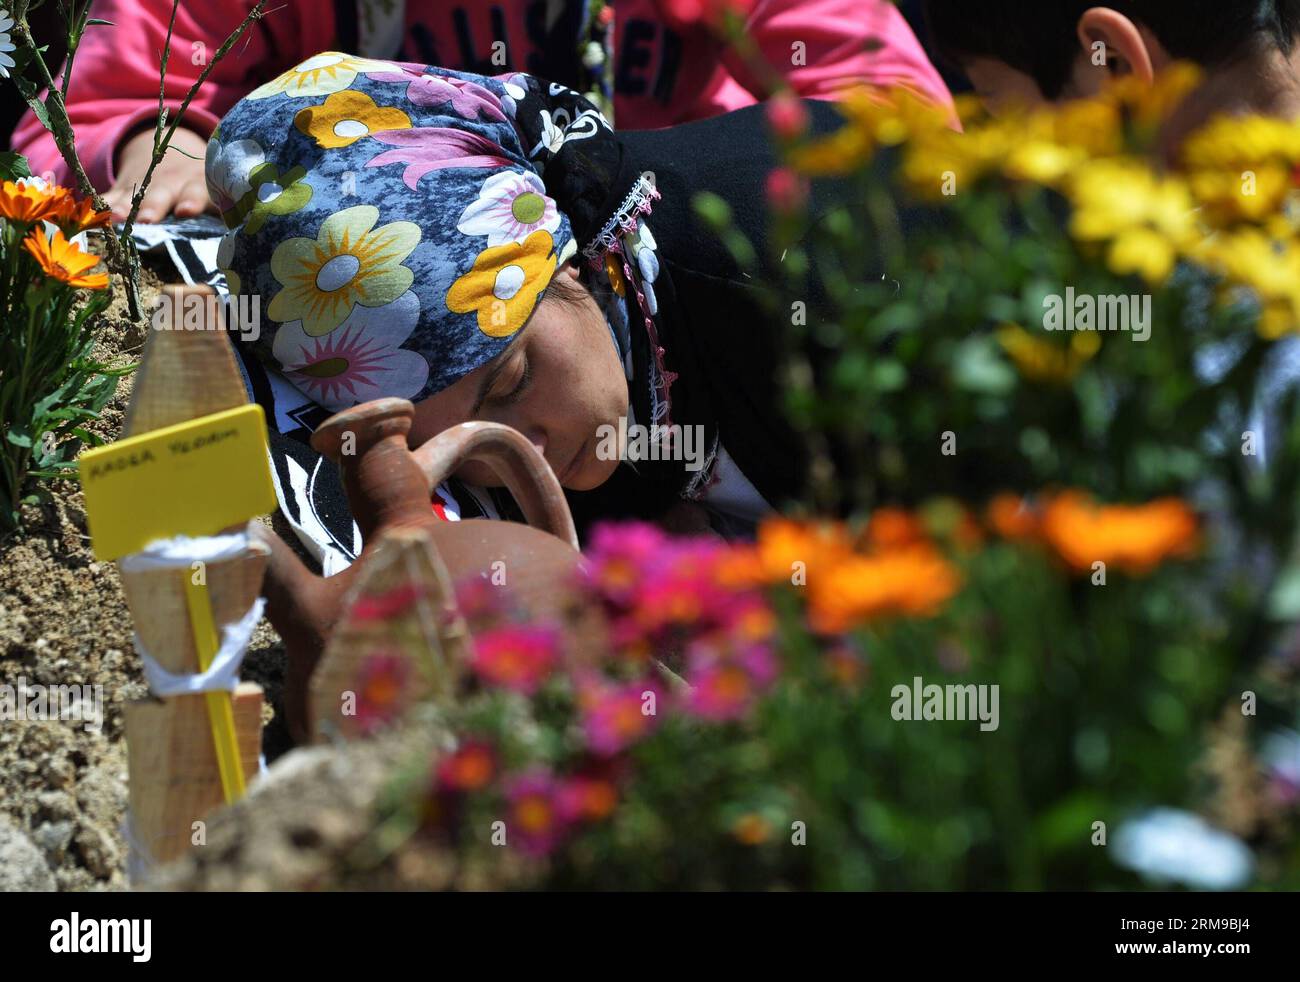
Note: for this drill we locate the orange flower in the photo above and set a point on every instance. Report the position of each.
(784, 542)
(846, 666)
(892, 528)
(28, 203)
(1012, 517)
(912, 581)
(968, 535)
(74, 216)
(1133, 538)
(63, 261)
(751, 829)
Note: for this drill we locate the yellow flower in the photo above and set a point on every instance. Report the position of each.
(1042, 162)
(1043, 361)
(329, 71)
(1147, 221)
(1270, 267)
(940, 162)
(848, 148)
(505, 283)
(346, 264)
(345, 117)
(873, 117)
(1091, 125)
(1235, 143)
(1149, 105)
(1250, 195)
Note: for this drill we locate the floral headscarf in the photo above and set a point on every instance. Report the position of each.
(399, 223)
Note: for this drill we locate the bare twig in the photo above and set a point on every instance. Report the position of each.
(122, 257)
(163, 140)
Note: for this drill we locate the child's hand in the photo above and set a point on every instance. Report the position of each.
(177, 185)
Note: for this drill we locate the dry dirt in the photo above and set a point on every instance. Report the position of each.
(63, 621)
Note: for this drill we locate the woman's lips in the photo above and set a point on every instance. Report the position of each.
(574, 466)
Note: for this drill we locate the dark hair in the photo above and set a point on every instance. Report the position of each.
(573, 294)
(1038, 37)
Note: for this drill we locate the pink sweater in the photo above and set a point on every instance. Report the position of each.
(662, 76)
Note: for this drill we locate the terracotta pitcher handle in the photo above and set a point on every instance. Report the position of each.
(515, 460)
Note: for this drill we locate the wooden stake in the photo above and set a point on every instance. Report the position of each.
(402, 608)
(174, 774)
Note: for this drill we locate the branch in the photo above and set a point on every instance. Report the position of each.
(163, 140)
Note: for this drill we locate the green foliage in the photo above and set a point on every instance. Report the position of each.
(50, 382)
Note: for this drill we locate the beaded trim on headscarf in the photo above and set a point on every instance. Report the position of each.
(612, 240)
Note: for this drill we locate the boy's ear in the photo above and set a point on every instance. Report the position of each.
(1113, 43)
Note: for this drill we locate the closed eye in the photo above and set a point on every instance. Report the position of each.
(521, 386)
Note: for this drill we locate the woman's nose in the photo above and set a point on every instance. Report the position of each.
(537, 436)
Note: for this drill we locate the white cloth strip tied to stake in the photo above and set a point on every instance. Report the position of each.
(182, 552)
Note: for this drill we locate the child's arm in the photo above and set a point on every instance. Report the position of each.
(113, 98)
(846, 42)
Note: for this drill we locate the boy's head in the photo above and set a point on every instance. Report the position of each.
(1028, 51)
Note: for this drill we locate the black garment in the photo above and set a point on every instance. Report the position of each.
(721, 327)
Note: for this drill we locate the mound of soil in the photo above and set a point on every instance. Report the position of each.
(64, 621)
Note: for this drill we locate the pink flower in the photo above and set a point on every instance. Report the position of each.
(786, 191)
(518, 657)
(615, 717)
(385, 606)
(620, 557)
(467, 98)
(469, 768)
(586, 798)
(630, 639)
(683, 604)
(749, 619)
(725, 686)
(379, 690)
(787, 116)
(479, 599)
(428, 148)
(534, 822)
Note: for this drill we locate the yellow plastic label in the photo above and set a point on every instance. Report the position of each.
(194, 478)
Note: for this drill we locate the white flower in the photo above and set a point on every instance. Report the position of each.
(322, 74)
(1170, 845)
(593, 56)
(552, 132)
(226, 259)
(6, 42)
(509, 208)
(516, 87)
(558, 130)
(227, 167)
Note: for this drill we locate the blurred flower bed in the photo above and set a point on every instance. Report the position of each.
(1081, 525)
